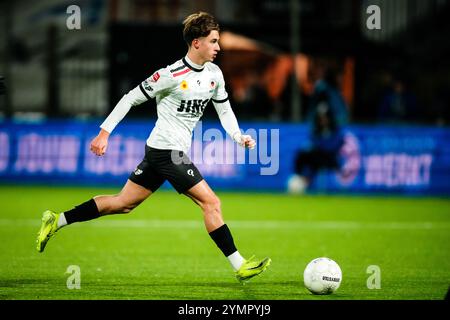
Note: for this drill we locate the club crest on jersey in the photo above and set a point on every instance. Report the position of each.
(155, 77)
(213, 84)
(184, 85)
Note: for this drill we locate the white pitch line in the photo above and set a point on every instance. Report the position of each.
(244, 224)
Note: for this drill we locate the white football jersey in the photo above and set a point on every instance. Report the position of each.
(182, 91)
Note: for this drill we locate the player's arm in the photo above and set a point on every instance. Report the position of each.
(231, 126)
(148, 89)
(100, 143)
(227, 116)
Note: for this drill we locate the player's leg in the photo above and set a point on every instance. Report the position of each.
(184, 176)
(208, 201)
(299, 181)
(140, 185)
(129, 197)
(318, 160)
(300, 161)
(329, 160)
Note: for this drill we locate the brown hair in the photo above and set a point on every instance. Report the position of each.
(198, 25)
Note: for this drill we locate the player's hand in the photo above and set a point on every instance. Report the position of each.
(100, 143)
(247, 141)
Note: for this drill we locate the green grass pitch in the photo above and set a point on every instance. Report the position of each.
(161, 250)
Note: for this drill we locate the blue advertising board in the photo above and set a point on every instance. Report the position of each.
(405, 159)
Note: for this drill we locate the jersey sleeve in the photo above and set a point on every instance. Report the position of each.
(157, 83)
(228, 119)
(132, 98)
(223, 108)
(220, 94)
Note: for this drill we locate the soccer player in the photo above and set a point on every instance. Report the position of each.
(327, 139)
(182, 91)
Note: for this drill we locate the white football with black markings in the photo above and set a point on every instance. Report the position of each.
(322, 276)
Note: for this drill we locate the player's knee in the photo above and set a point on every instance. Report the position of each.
(211, 204)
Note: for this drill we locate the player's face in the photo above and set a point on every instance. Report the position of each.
(209, 46)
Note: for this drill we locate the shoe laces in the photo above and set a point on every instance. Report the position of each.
(252, 262)
(250, 259)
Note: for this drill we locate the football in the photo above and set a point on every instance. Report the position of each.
(322, 276)
(296, 184)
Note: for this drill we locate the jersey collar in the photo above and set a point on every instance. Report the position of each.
(191, 65)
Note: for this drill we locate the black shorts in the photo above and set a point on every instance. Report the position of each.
(161, 165)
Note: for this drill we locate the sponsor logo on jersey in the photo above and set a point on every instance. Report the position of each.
(155, 77)
(193, 107)
(147, 86)
(184, 85)
(198, 82)
(190, 172)
(138, 171)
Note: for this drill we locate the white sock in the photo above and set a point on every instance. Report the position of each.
(61, 221)
(236, 260)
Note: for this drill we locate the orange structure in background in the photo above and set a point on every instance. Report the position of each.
(246, 63)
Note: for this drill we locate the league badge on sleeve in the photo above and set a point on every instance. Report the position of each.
(155, 77)
(146, 85)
